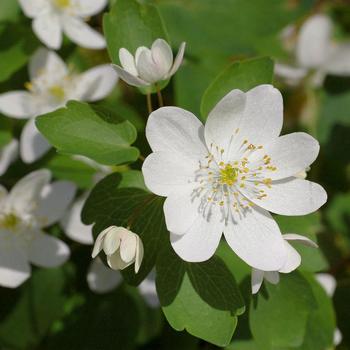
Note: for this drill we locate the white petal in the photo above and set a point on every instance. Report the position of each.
(256, 280)
(47, 66)
(148, 70)
(128, 248)
(14, 266)
(338, 337)
(47, 251)
(8, 154)
(178, 60)
(127, 61)
(290, 154)
(255, 116)
(83, 35)
(314, 41)
(162, 56)
(96, 83)
(292, 196)
(293, 259)
(25, 195)
(32, 8)
(47, 28)
(102, 279)
(200, 241)
(88, 8)
(98, 246)
(139, 254)
(257, 240)
(129, 78)
(292, 75)
(73, 226)
(300, 239)
(174, 130)
(138, 52)
(166, 173)
(55, 199)
(148, 290)
(339, 61)
(272, 277)
(116, 262)
(18, 104)
(112, 241)
(328, 282)
(32, 144)
(181, 209)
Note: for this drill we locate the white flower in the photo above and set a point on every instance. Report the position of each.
(53, 17)
(8, 154)
(315, 50)
(226, 176)
(25, 211)
(149, 66)
(51, 86)
(292, 262)
(329, 284)
(121, 246)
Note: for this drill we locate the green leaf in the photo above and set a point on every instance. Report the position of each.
(38, 307)
(202, 298)
(9, 10)
(321, 323)
(5, 131)
(131, 24)
(307, 225)
(338, 213)
(84, 129)
(279, 318)
(108, 204)
(66, 168)
(17, 45)
(239, 75)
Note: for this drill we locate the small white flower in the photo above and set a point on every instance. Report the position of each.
(51, 86)
(51, 18)
(8, 154)
(121, 246)
(226, 176)
(329, 284)
(315, 50)
(30, 206)
(149, 66)
(292, 262)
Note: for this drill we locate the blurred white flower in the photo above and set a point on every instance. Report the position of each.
(316, 51)
(329, 284)
(25, 211)
(51, 86)
(121, 246)
(292, 262)
(227, 176)
(52, 18)
(8, 154)
(149, 66)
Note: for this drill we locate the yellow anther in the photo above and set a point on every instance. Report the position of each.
(28, 85)
(62, 3)
(9, 221)
(228, 175)
(221, 203)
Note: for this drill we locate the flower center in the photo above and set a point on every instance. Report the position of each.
(62, 3)
(228, 175)
(9, 221)
(57, 92)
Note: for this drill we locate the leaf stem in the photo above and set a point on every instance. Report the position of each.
(149, 103)
(160, 97)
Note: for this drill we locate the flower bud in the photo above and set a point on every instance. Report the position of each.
(121, 246)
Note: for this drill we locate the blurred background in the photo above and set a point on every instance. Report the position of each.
(56, 308)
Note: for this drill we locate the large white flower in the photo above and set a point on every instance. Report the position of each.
(226, 176)
(52, 18)
(315, 50)
(25, 211)
(293, 261)
(51, 86)
(149, 66)
(8, 154)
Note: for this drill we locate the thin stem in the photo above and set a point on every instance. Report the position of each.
(149, 103)
(160, 97)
